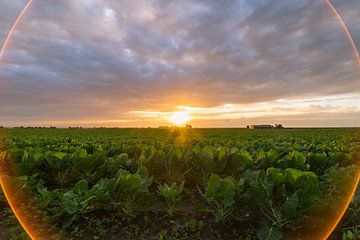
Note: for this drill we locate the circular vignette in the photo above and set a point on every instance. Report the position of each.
(12, 187)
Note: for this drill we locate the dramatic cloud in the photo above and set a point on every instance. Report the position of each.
(123, 62)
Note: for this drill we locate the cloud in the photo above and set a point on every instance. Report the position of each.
(78, 59)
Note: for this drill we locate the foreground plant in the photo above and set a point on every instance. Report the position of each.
(220, 194)
(172, 195)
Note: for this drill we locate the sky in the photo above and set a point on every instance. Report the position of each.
(133, 63)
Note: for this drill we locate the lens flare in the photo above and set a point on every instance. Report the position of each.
(12, 29)
(346, 30)
(344, 208)
(356, 182)
(33, 223)
(18, 215)
(26, 210)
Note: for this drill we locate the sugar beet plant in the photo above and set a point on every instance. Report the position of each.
(172, 195)
(155, 183)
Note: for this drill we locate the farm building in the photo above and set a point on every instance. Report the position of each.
(264, 126)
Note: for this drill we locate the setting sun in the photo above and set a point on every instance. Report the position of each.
(179, 118)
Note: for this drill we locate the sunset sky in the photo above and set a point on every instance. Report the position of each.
(132, 63)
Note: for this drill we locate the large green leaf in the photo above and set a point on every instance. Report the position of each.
(221, 190)
(298, 159)
(269, 233)
(69, 205)
(275, 175)
(238, 162)
(81, 187)
(171, 192)
(60, 155)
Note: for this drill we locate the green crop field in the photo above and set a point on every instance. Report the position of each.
(186, 183)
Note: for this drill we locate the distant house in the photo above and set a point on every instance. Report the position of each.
(264, 126)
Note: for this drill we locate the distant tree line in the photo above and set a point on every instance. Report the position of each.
(35, 127)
